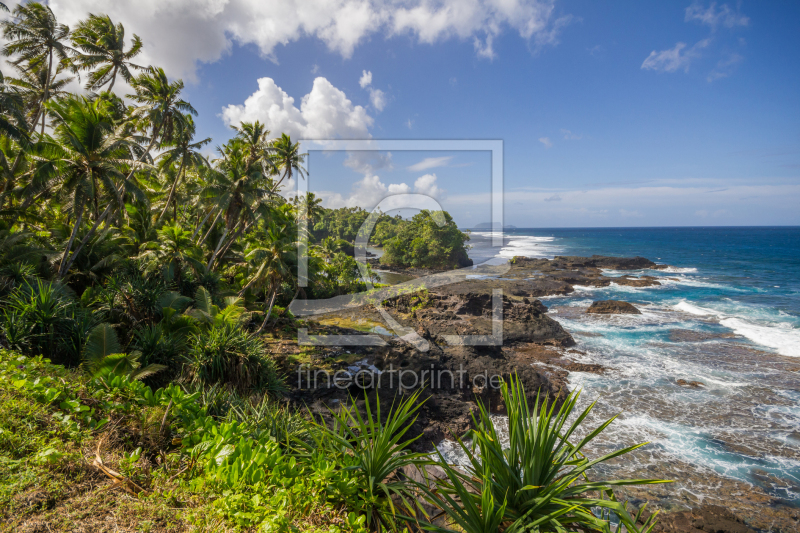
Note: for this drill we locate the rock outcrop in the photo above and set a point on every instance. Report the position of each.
(613, 307)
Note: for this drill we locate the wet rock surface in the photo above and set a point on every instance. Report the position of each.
(705, 519)
(689, 335)
(613, 307)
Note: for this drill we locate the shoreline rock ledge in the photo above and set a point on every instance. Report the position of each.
(613, 307)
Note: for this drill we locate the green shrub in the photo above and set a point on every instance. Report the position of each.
(230, 355)
(540, 482)
(374, 448)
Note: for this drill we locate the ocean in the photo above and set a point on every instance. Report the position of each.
(727, 314)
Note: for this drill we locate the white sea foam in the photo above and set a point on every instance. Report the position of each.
(686, 307)
(782, 337)
(678, 270)
(524, 245)
(785, 340)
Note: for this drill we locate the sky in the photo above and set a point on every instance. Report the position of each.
(611, 114)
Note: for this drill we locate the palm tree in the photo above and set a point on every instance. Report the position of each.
(87, 156)
(161, 110)
(12, 115)
(173, 251)
(288, 159)
(271, 263)
(32, 86)
(103, 46)
(185, 152)
(37, 38)
(238, 191)
(309, 206)
(256, 137)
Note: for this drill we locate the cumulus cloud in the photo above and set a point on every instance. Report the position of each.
(713, 17)
(676, 58)
(370, 190)
(378, 99)
(569, 136)
(366, 78)
(427, 185)
(324, 113)
(366, 193)
(180, 33)
(430, 162)
(546, 142)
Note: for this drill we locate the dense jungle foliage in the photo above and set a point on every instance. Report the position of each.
(428, 240)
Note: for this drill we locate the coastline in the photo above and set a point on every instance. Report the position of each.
(716, 465)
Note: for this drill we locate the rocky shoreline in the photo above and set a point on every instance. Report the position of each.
(534, 345)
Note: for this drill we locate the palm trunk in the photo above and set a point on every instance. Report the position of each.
(219, 245)
(171, 192)
(230, 242)
(211, 228)
(113, 78)
(47, 89)
(200, 225)
(61, 270)
(269, 311)
(249, 283)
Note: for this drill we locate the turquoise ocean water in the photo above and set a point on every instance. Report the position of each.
(727, 314)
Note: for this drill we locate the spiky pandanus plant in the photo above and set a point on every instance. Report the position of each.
(539, 482)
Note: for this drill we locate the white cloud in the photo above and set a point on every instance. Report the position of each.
(554, 198)
(427, 185)
(366, 78)
(713, 17)
(484, 48)
(546, 142)
(430, 162)
(378, 99)
(324, 113)
(366, 193)
(410, 124)
(569, 136)
(370, 190)
(180, 33)
(675, 58)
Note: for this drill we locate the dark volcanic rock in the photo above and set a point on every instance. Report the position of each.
(705, 519)
(613, 307)
(693, 384)
(450, 312)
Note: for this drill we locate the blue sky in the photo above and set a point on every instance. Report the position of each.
(631, 114)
